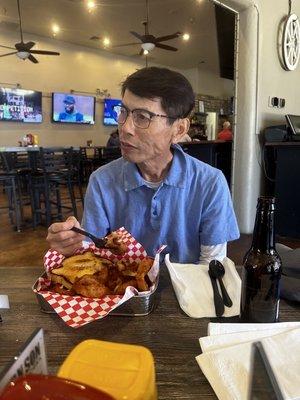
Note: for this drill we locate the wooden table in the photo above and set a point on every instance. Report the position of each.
(167, 332)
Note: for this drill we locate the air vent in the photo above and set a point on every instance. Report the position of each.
(95, 38)
(9, 26)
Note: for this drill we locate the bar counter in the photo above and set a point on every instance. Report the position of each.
(167, 332)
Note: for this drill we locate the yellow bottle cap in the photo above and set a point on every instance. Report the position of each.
(124, 371)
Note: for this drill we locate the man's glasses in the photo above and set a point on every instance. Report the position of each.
(141, 118)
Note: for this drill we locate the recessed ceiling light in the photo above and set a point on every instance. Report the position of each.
(55, 29)
(185, 36)
(106, 41)
(91, 5)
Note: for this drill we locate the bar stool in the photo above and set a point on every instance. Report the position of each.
(54, 170)
(14, 178)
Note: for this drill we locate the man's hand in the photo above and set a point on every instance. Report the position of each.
(62, 239)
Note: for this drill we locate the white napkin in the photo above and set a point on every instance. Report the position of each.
(229, 369)
(194, 292)
(4, 303)
(209, 343)
(216, 328)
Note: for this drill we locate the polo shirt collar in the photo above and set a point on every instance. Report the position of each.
(176, 176)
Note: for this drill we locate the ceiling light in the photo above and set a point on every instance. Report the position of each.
(148, 46)
(91, 5)
(55, 29)
(185, 36)
(23, 54)
(146, 52)
(106, 41)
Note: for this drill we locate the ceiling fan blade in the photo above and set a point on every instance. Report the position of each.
(32, 59)
(165, 47)
(49, 53)
(137, 35)
(8, 54)
(7, 47)
(168, 37)
(29, 45)
(20, 21)
(126, 44)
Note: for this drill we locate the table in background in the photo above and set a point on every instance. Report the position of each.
(167, 332)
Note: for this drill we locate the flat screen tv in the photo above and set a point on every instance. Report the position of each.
(73, 108)
(109, 116)
(20, 105)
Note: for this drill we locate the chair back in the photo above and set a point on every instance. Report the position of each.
(55, 159)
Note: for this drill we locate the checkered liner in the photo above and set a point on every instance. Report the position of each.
(77, 311)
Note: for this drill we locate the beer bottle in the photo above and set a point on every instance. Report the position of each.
(262, 269)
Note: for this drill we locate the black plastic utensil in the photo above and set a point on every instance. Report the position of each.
(218, 301)
(217, 270)
(99, 242)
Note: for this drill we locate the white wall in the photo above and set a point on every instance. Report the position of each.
(274, 80)
(78, 68)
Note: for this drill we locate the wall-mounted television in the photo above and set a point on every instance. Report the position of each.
(73, 108)
(109, 116)
(20, 105)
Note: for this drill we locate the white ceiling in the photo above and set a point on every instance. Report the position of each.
(115, 18)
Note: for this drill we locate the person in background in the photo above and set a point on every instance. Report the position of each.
(113, 140)
(160, 194)
(70, 114)
(226, 133)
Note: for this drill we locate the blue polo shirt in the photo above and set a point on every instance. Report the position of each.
(191, 207)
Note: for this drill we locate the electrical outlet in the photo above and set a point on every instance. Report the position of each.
(276, 102)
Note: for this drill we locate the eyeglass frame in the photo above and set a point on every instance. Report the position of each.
(152, 115)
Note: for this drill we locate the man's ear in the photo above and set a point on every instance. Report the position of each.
(182, 126)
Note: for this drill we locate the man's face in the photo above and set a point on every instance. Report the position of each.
(145, 145)
(69, 108)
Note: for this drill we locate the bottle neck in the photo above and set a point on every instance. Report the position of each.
(264, 234)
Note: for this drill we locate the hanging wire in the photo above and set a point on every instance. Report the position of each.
(290, 7)
(147, 18)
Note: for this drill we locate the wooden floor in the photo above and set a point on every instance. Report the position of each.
(28, 247)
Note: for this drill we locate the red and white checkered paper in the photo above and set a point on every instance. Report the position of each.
(77, 311)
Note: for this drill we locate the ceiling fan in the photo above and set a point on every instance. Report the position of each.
(148, 41)
(22, 49)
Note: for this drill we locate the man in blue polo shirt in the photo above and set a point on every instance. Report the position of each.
(157, 192)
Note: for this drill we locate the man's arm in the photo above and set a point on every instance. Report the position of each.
(216, 252)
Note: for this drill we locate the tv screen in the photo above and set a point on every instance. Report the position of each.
(109, 116)
(20, 105)
(73, 108)
(294, 123)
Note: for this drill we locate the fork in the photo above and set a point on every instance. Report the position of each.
(99, 242)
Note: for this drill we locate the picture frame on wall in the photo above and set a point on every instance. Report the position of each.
(201, 106)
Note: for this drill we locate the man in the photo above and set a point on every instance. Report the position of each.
(226, 133)
(157, 192)
(113, 140)
(70, 114)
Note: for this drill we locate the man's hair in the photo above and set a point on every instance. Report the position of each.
(172, 88)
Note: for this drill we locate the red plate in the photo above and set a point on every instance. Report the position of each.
(42, 387)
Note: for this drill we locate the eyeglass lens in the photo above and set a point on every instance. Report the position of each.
(141, 118)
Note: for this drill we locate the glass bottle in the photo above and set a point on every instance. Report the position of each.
(262, 269)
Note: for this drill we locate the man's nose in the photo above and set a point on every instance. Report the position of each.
(128, 126)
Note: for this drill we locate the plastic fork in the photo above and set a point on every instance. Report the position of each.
(99, 242)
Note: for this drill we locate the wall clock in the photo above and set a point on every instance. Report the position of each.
(291, 42)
